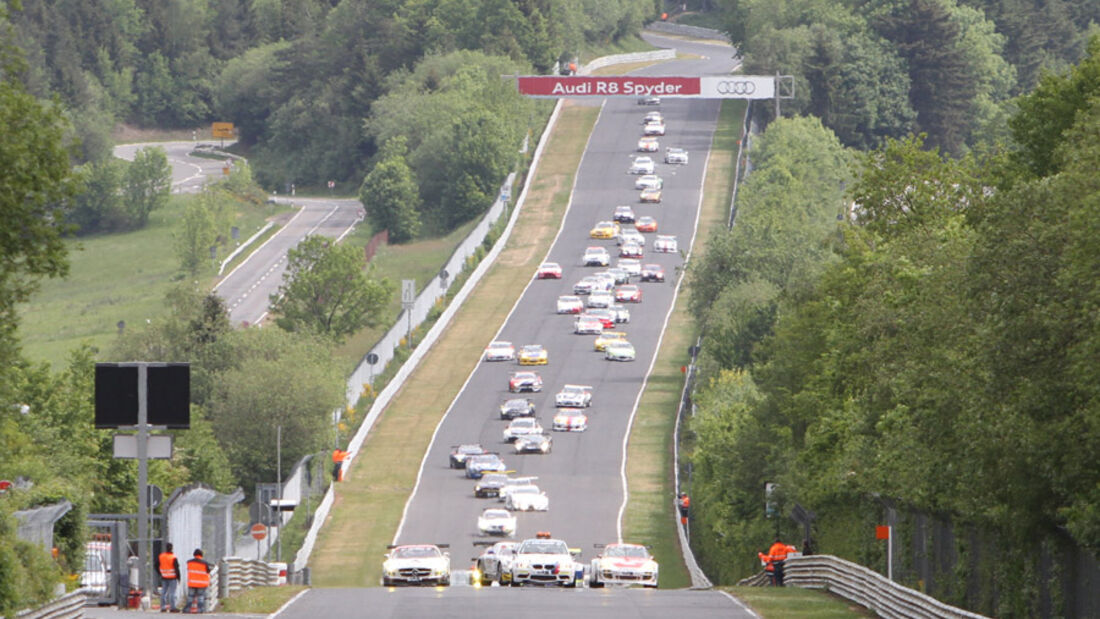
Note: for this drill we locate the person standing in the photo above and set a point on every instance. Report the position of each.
(338, 457)
(773, 561)
(198, 581)
(685, 508)
(169, 578)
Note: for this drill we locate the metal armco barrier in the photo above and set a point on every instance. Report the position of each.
(606, 61)
(688, 31)
(867, 588)
(240, 574)
(68, 606)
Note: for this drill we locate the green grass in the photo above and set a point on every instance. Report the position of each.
(259, 600)
(114, 277)
(795, 603)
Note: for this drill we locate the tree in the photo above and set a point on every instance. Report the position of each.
(99, 207)
(389, 193)
(195, 236)
(146, 185)
(326, 292)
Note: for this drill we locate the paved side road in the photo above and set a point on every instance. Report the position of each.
(110, 612)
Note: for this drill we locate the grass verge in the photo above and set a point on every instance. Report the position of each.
(259, 600)
(368, 504)
(795, 603)
(650, 512)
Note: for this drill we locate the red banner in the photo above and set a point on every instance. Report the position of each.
(585, 86)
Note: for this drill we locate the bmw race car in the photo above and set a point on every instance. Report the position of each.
(545, 561)
(628, 294)
(500, 351)
(619, 351)
(533, 444)
(476, 466)
(526, 498)
(569, 304)
(521, 426)
(631, 250)
(517, 407)
(533, 354)
(459, 453)
(624, 214)
(416, 564)
(623, 564)
(654, 128)
(524, 381)
(596, 257)
(496, 521)
(653, 117)
(494, 564)
(601, 300)
(570, 420)
(648, 181)
(549, 270)
(676, 155)
(631, 265)
(642, 165)
(574, 396)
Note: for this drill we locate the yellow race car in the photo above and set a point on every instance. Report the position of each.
(533, 354)
(604, 230)
(608, 336)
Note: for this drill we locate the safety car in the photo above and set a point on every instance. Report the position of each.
(546, 561)
(496, 521)
(520, 382)
(665, 244)
(459, 453)
(416, 564)
(619, 351)
(549, 270)
(500, 351)
(521, 426)
(623, 214)
(479, 465)
(623, 564)
(494, 564)
(604, 230)
(533, 444)
(646, 223)
(570, 420)
(601, 342)
(569, 304)
(526, 498)
(648, 181)
(517, 407)
(533, 354)
(648, 144)
(676, 156)
(574, 396)
(650, 196)
(628, 294)
(596, 257)
(642, 165)
(653, 273)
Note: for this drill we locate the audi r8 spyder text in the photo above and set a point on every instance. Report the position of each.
(416, 564)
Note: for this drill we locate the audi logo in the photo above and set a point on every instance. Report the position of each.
(736, 87)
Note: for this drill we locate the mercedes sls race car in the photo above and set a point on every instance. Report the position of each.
(624, 214)
(628, 294)
(496, 521)
(570, 420)
(524, 381)
(676, 155)
(533, 354)
(569, 304)
(653, 273)
(574, 396)
(642, 165)
(549, 270)
(517, 407)
(416, 564)
(511, 484)
(492, 484)
(500, 351)
(649, 144)
(599, 300)
(459, 453)
(646, 223)
(600, 345)
(521, 426)
(526, 498)
(545, 561)
(622, 564)
(665, 244)
(476, 466)
(619, 351)
(596, 257)
(494, 564)
(533, 444)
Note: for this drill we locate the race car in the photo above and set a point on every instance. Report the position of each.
(642, 165)
(600, 345)
(605, 282)
(648, 181)
(619, 275)
(619, 351)
(459, 453)
(630, 235)
(521, 426)
(622, 564)
(526, 498)
(493, 564)
(512, 483)
(650, 196)
(630, 265)
(665, 244)
(549, 270)
(624, 214)
(569, 304)
(587, 325)
(596, 257)
(517, 407)
(479, 465)
(489, 485)
(570, 420)
(416, 564)
(496, 521)
(533, 354)
(600, 300)
(524, 381)
(650, 100)
(653, 117)
(500, 351)
(654, 128)
(574, 396)
(546, 561)
(628, 294)
(619, 313)
(653, 273)
(604, 230)
(648, 144)
(676, 156)
(584, 286)
(603, 317)
(646, 223)
(631, 250)
(533, 444)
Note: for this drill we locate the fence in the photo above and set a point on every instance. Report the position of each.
(688, 31)
(199, 517)
(380, 238)
(606, 61)
(68, 606)
(36, 525)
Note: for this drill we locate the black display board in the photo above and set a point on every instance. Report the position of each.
(169, 395)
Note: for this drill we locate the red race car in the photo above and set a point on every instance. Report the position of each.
(628, 294)
(549, 270)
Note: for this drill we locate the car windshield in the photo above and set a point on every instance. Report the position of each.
(494, 479)
(525, 375)
(523, 422)
(532, 350)
(543, 547)
(495, 514)
(499, 345)
(525, 490)
(416, 552)
(516, 404)
(470, 449)
(549, 265)
(633, 552)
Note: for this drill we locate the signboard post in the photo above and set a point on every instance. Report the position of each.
(222, 131)
(258, 532)
(408, 300)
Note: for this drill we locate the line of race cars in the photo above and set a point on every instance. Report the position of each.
(598, 304)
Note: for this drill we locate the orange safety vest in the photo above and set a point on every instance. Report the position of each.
(338, 456)
(779, 551)
(198, 574)
(685, 502)
(168, 566)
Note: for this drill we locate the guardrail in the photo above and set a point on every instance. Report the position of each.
(69, 606)
(606, 61)
(688, 31)
(241, 574)
(867, 588)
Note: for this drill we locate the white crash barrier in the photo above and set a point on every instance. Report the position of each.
(241, 574)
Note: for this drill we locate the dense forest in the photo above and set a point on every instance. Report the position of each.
(907, 334)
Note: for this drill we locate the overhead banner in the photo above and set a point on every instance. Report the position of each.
(714, 87)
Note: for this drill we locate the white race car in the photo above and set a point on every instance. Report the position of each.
(526, 498)
(623, 564)
(496, 521)
(596, 257)
(533, 444)
(665, 244)
(619, 351)
(545, 561)
(500, 351)
(601, 300)
(631, 265)
(587, 325)
(570, 420)
(495, 564)
(574, 396)
(416, 564)
(648, 181)
(521, 426)
(654, 128)
(676, 156)
(570, 304)
(642, 165)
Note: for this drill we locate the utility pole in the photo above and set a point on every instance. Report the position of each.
(279, 486)
(143, 476)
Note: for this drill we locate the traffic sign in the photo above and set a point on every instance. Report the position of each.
(259, 531)
(408, 292)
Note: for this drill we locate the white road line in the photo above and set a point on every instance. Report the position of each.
(739, 603)
(255, 251)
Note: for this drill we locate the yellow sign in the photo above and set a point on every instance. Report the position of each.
(222, 130)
